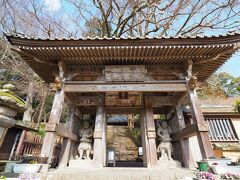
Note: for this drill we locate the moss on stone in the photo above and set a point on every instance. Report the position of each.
(9, 99)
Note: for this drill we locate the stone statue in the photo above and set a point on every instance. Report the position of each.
(86, 135)
(165, 146)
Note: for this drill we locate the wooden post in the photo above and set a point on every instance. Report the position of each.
(180, 118)
(197, 116)
(104, 139)
(50, 136)
(20, 143)
(146, 152)
(184, 143)
(98, 149)
(186, 153)
(66, 145)
(151, 132)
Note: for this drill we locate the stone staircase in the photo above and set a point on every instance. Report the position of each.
(119, 174)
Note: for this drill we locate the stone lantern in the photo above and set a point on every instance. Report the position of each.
(10, 105)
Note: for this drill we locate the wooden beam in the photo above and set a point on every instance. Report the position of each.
(64, 132)
(190, 130)
(123, 110)
(216, 56)
(163, 101)
(125, 87)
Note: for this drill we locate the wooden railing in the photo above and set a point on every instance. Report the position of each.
(31, 144)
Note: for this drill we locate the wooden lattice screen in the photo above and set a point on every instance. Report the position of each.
(221, 129)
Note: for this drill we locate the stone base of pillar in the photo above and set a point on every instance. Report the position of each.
(81, 164)
(163, 164)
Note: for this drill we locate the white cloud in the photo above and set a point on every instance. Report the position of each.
(53, 5)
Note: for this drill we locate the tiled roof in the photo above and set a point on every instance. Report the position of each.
(22, 36)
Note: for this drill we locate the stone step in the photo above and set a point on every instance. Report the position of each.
(80, 163)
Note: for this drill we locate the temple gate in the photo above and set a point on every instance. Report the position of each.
(144, 76)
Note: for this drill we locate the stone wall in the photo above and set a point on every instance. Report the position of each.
(117, 138)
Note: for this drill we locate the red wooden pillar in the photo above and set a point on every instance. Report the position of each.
(50, 136)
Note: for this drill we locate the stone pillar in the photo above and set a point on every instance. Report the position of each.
(67, 143)
(99, 146)
(202, 134)
(50, 136)
(150, 132)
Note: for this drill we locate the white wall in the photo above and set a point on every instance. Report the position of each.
(195, 149)
(236, 124)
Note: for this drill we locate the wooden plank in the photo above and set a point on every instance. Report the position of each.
(126, 87)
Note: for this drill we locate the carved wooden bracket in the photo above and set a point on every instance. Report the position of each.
(193, 82)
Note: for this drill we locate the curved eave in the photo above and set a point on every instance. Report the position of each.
(20, 40)
(43, 54)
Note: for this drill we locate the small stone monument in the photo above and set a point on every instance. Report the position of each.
(10, 105)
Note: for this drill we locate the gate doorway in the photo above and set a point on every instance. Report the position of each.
(124, 140)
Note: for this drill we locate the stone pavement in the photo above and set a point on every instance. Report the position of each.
(110, 173)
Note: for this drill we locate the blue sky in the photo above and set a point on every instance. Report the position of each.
(232, 66)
